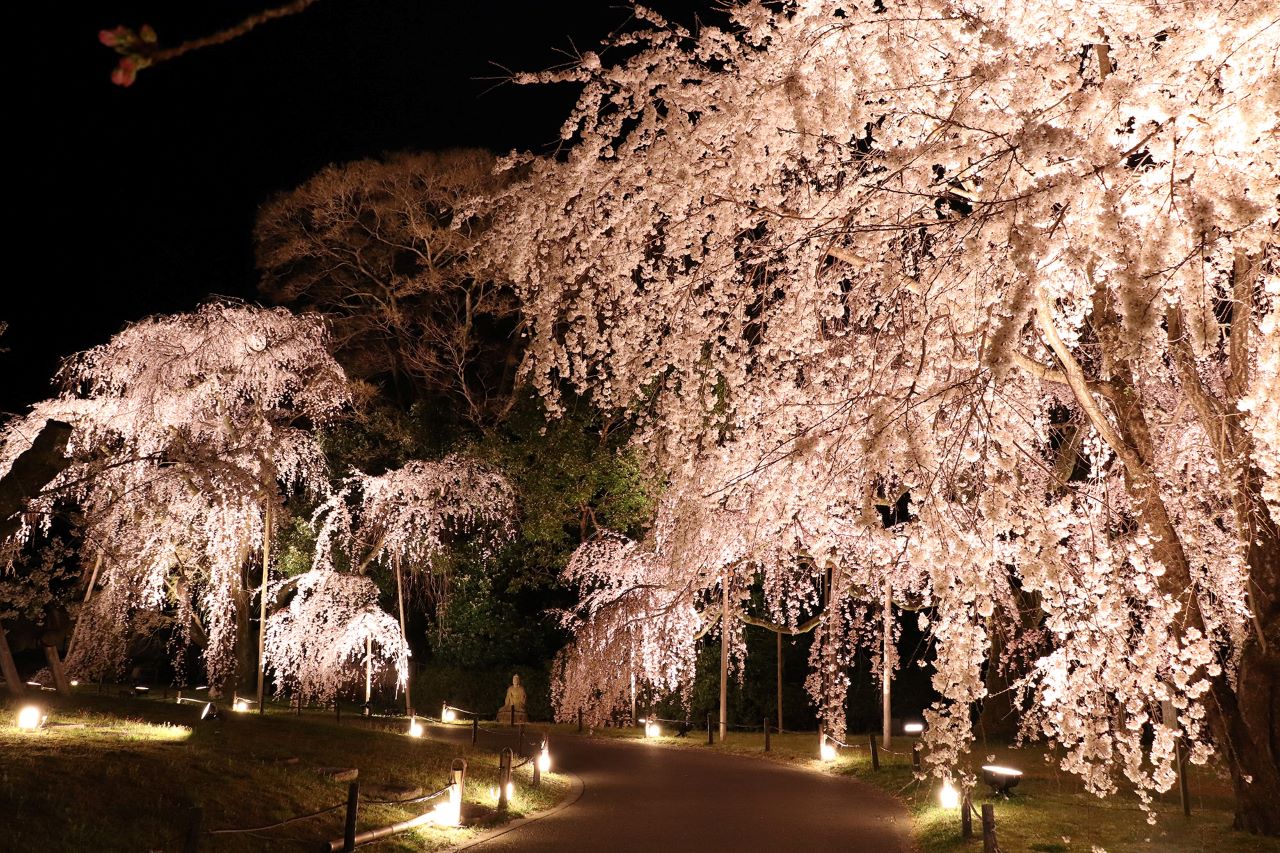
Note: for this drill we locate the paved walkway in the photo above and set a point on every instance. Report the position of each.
(645, 797)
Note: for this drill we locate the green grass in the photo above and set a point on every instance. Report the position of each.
(1049, 811)
(123, 774)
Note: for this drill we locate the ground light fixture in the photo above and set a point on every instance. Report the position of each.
(31, 717)
(948, 796)
(415, 728)
(651, 729)
(447, 714)
(913, 728)
(826, 750)
(240, 705)
(544, 760)
(208, 711)
(1000, 778)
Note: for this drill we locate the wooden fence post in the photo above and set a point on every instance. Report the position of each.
(875, 752)
(709, 737)
(195, 826)
(766, 734)
(475, 730)
(504, 777)
(579, 721)
(537, 765)
(353, 806)
(989, 829)
(966, 816)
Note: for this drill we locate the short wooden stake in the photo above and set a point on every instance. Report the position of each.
(766, 734)
(195, 825)
(989, 829)
(709, 736)
(966, 816)
(537, 765)
(353, 806)
(915, 757)
(875, 752)
(475, 730)
(504, 777)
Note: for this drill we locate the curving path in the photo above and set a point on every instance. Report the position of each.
(646, 797)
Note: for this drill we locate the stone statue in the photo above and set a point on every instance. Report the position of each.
(513, 711)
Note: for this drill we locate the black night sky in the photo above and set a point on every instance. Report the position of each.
(143, 198)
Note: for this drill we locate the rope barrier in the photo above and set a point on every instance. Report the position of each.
(277, 825)
(420, 799)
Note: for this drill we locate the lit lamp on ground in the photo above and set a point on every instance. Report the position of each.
(913, 729)
(240, 705)
(447, 715)
(1001, 779)
(651, 729)
(826, 750)
(544, 760)
(31, 717)
(415, 728)
(948, 797)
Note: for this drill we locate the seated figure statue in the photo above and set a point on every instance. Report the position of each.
(512, 711)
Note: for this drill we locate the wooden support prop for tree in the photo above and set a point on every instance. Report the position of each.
(1183, 794)
(710, 738)
(537, 769)
(475, 730)
(875, 752)
(779, 663)
(195, 827)
(504, 777)
(349, 828)
(966, 816)
(766, 734)
(989, 829)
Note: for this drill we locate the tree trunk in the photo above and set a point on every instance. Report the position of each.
(262, 611)
(724, 662)
(59, 674)
(8, 668)
(408, 676)
(1246, 720)
(88, 594)
(368, 672)
(240, 680)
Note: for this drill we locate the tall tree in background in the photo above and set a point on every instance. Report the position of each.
(833, 252)
(188, 431)
(407, 518)
(384, 249)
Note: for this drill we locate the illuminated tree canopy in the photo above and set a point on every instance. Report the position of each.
(1016, 262)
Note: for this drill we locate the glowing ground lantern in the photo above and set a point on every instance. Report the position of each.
(31, 717)
(949, 797)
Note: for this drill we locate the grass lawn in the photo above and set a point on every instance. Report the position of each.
(1049, 811)
(123, 774)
